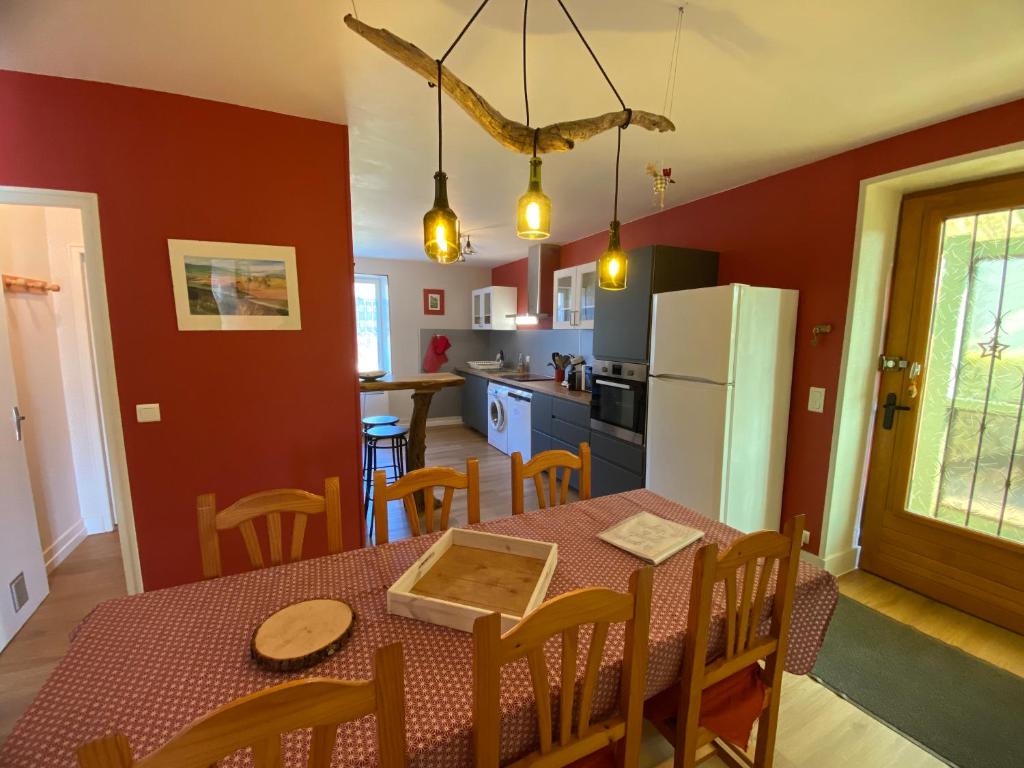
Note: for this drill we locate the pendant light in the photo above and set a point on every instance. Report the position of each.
(533, 214)
(614, 263)
(440, 224)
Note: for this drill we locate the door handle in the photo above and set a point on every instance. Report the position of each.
(890, 407)
(18, 418)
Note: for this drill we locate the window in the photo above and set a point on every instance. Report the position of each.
(373, 329)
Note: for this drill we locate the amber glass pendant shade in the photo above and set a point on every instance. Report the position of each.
(441, 225)
(533, 217)
(613, 264)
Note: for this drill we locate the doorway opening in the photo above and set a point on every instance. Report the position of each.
(63, 466)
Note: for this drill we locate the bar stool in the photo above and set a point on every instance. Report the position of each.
(398, 441)
(368, 423)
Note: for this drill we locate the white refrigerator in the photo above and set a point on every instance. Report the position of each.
(718, 401)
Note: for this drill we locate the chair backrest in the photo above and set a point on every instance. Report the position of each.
(747, 569)
(268, 504)
(564, 615)
(416, 490)
(259, 719)
(548, 463)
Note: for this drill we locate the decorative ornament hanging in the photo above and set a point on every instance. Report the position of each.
(662, 178)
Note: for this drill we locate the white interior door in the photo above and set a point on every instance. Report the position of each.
(21, 556)
(685, 443)
(693, 333)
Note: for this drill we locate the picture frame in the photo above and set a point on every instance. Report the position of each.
(433, 301)
(234, 286)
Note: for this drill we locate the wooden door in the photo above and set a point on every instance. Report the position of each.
(944, 509)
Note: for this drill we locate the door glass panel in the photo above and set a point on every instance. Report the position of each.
(487, 308)
(588, 294)
(968, 466)
(563, 298)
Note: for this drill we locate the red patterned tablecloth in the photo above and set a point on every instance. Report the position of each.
(148, 665)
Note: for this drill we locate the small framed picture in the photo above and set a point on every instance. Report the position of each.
(433, 301)
(234, 286)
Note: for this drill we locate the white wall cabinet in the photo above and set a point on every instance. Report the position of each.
(495, 308)
(575, 297)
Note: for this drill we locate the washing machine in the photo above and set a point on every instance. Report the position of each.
(497, 416)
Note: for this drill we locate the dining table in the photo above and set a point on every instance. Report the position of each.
(149, 664)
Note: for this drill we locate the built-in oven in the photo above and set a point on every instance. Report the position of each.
(618, 399)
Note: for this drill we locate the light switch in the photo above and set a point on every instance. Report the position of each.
(147, 412)
(816, 400)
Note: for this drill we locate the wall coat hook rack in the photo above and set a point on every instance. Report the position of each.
(16, 284)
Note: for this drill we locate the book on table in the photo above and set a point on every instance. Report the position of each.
(650, 537)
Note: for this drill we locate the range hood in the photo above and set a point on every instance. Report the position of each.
(541, 264)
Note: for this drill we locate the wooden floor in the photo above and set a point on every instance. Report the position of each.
(817, 728)
(90, 575)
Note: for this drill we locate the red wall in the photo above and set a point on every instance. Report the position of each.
(242, 411)
(796, 230)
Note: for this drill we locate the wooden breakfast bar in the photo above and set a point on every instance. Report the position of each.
(423, 386)
(148, 665)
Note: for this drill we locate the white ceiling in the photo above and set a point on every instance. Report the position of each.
(763, 86)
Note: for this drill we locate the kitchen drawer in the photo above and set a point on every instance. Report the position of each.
(539, 442)
(540, 412)
(607, 478)
(569, 433)
(572, 412)
(629, 456)
(574, 477)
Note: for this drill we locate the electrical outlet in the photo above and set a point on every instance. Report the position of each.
(807, 537)
(147, 412)
(816, 400)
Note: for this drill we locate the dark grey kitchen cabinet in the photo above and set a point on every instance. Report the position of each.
(607, 478)
(622, 319)
(560, 424)
(616, 465)
(474, 403)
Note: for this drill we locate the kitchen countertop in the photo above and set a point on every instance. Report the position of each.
(544, 387)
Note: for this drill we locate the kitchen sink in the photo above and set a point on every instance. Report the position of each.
(526, 377)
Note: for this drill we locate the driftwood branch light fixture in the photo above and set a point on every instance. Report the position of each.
(534, 209)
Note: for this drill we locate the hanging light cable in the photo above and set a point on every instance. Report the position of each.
(613, 263)
(440, 224)
(533, 213)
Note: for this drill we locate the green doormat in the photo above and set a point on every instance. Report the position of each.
(964, 710)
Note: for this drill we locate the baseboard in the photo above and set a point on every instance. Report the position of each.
(837, 564)
(64, 545)
(444, 421)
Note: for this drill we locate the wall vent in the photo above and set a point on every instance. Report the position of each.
(19, 591)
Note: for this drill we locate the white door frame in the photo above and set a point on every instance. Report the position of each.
(99, 316)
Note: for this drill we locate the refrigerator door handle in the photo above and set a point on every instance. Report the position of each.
(697, 379)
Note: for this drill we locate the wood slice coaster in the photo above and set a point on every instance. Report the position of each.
(301, 634)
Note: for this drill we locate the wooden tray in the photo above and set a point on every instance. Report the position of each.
(467, 574)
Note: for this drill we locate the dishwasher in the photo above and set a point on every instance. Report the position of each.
(519, 422)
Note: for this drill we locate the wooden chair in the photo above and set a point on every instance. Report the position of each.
(564, 615)
(268, 504)
(550, 462)
(259, 719)
(749, 561)
(416, 490)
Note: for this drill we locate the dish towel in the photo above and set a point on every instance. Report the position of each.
(436, 357)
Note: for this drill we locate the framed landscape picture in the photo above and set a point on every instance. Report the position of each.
(234, 286)
(433, 301)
